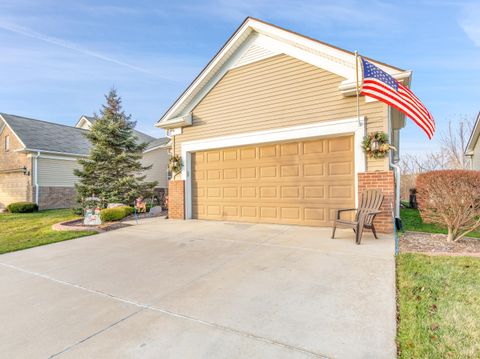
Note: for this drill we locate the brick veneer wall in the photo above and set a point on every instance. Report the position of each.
(384, 181)
(176, 199)
(14, 186)
(55, 197)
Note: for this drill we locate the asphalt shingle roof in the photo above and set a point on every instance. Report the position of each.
(54, 137)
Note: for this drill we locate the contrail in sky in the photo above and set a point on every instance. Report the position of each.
(67, 45)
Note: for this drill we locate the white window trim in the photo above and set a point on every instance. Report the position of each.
(355, 126)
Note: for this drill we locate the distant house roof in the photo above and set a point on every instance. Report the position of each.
(38, 135)
(472, 141)
(142, 137)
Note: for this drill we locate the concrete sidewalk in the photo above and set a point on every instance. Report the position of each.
(200, 289)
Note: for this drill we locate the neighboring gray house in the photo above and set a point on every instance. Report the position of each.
(473, 146)
(37, 159)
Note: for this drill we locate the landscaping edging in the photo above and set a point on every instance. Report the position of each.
(70, 226)
(436, 244)
(76, 225)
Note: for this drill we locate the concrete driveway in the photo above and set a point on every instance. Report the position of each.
(200, 289)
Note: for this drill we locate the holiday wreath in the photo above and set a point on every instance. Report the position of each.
(376, 145)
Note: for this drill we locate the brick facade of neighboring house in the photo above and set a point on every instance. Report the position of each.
(385, 182)
(15, 171)
(55, 197)
(44, 155)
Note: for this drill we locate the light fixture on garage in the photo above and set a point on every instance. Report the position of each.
(374, 145)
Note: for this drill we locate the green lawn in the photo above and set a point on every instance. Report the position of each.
(412, 221)
(26, 230)
(439, 306)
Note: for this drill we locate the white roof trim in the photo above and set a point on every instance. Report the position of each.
(52, 152)
(81, 121)
(472, 141)
(166, 146)
(181, 121)
(277, 40)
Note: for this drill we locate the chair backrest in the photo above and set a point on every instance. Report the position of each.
(371, 199)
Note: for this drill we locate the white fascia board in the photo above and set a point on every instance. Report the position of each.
(164, 147)
(354, 126)
(82, 121)
(472, 141)
(181, 121)
(210, 83)
(212, 65)
(62, 158)
(324, 50)
(51, 152)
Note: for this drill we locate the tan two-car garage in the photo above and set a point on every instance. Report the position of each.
(300, 182)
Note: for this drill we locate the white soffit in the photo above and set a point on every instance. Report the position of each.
(256, 40)
(255, 52)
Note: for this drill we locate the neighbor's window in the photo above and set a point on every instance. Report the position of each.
(7, 142)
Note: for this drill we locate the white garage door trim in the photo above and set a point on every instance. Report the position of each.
(325, 128)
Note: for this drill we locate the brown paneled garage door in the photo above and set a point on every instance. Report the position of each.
(300, 182)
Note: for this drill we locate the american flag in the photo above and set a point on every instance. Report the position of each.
(383, 87)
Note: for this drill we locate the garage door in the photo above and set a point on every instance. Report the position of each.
(300, 182)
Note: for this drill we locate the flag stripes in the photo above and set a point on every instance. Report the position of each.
(383, 87)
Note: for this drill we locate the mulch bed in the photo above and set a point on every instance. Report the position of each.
(77, 224)
(436, 244)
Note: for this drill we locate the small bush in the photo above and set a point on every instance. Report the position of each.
(77, 210)
(22, 207)
(115, 213)
(128, 210)
(450, 198)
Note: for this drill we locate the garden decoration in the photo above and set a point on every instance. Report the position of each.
(376, 145)
(92, 212)
(175, 165)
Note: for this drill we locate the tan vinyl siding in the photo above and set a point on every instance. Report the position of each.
(158, 172)
(280, 91)
(56, 172)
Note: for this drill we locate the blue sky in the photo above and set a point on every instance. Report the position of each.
(58, 58)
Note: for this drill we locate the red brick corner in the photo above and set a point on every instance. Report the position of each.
(176, 199)
(385, 182)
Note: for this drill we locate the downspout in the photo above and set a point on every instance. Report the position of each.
(35, 174)
(396, 170)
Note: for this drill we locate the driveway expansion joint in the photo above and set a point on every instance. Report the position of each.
(143, 306)
(96, 333)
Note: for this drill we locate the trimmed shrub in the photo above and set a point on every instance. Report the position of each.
(128, 210)
(22, 207)
(115, 213)
(450, 198)
(77, 210)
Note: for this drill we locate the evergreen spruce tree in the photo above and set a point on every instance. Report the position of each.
(113, 171)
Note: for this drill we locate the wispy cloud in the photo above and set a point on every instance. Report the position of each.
(324, 13)
(469, 21)
(68, 45)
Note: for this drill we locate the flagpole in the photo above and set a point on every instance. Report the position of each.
(357, 87)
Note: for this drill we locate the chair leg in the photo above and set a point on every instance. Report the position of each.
(357, 234)
(374, 231)
(333, 230)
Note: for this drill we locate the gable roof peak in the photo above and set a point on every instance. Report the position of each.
(274, 40)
